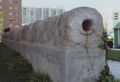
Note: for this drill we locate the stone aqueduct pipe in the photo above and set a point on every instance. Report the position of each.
(65, 46)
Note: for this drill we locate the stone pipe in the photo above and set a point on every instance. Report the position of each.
(65, 46)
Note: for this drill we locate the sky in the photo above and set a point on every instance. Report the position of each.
(100, 5)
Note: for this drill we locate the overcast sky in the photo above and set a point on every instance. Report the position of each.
(100, 5)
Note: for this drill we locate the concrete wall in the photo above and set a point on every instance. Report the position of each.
(65, 46)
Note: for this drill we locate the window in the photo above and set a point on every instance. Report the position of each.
(0, 7)
(10, 13)
(10, 7)
(60, 11)
(24, 9)
(115, 18)
(54, 12)
(24, 13)
(16, 13)
(16, 8)
(10, 25)
(16, 2)
(31, 12)
(16, 20)
(115, 13)
(10, 19)
(16, 26)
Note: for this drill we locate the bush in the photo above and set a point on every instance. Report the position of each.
(6, 30)
(106, 76)
(39, 77)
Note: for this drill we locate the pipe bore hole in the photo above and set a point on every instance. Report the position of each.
(86, 25)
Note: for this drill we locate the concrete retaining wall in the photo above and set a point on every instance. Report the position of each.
(65, 46)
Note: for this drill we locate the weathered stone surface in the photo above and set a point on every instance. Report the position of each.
(65, 46)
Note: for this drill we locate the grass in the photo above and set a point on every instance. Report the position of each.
(113, 55)
(5, 75)
(15, 68)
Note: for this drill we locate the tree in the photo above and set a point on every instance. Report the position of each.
(111, 39)
(6, 30)
(2, 18)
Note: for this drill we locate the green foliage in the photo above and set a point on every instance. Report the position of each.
(105, 37)
(106, 76)
(6, 30)
(19, 66)
(111, 39)
(39, 77)
(1, 30)
(2, 17)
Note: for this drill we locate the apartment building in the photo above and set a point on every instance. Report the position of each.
(13, 13)
(111, 18)
(30, 14)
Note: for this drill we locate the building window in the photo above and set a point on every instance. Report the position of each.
(10, 7)
(10, 13)
(31, 13)
(115, 18)
(115, 13)
(24, 9)
(0, 7)
(16, 13)
(16, 26)
(24, 13)
(60, 11)
(0, 0)
(10, 19)
(16, 20)
(54, 12)
(10, 25)
(16, 2)
(17, 8)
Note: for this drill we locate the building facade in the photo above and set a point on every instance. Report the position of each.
(30, 15)
(12, 10)
(117, 35)
(111, 17)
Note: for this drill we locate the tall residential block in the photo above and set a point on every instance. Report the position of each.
(111, 18)
(13, 13)
(31, 14)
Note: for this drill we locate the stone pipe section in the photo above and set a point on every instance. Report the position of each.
(64, 46)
